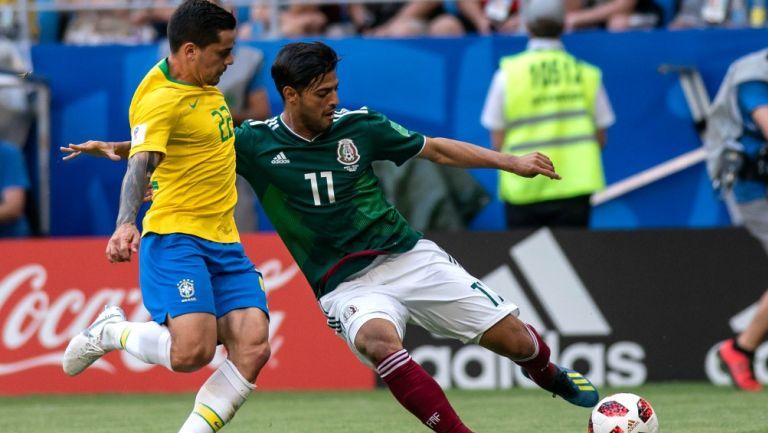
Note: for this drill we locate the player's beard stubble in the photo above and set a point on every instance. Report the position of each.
(316, 121)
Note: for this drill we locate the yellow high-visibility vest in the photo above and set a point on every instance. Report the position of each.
(549, 107)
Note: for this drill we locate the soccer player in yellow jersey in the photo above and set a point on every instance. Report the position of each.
(196, 281)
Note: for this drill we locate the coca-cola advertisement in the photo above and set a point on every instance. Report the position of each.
(52, 289)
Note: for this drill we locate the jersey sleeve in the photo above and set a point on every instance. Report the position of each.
(392, 141)
(244, 139)
(247, 139)
(151, 123)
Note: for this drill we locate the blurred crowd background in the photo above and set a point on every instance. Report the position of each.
(133, 22)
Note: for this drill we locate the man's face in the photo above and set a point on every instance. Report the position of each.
(317, 103)
(212, 61)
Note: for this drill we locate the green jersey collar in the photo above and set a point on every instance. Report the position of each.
(163, 65)
(295, 134)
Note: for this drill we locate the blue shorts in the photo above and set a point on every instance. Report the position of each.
(182, 274)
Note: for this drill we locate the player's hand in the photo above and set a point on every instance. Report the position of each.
(91, 147)
(123, 243)
(533, 164)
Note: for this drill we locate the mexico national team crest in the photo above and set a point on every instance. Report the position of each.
(349, 311)
(347, 154)
(186, 290)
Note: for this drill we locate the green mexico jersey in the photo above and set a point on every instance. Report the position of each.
(322, 195)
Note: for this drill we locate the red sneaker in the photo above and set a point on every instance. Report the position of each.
(739, 367)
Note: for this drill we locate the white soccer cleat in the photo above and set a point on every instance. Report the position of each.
(85, 348)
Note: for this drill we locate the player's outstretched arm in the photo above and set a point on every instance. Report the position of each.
(456, 153)
(114, 150)
(125, 240)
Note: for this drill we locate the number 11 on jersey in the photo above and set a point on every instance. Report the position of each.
(312, 178)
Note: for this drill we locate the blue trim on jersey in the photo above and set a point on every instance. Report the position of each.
(181, 274)
(751, 96)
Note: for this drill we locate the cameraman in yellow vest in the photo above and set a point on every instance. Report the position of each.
(546, 100)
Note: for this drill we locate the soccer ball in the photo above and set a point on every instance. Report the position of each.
(623, 413)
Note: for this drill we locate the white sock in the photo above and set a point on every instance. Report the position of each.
(218, 400)
(148, 341)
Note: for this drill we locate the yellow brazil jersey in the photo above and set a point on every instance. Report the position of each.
(194, 185)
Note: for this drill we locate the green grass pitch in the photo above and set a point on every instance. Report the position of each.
(682, 408)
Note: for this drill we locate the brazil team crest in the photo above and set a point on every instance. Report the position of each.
(347, 153)
(186, 290)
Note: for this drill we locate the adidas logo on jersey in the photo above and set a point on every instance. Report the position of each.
(280, 158)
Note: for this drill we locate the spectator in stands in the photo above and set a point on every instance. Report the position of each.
(296, 20)
(14, 183)
(156, 17)
(302, 20)
(16, 118)
(10, 22)
(614, 15)
(16, 113)
(736, 141)
(419, 17)
(688, 15)
(461, 17)
(256, 24)
(391, 19)
(113, 26)
(546, 100)
(509, 21)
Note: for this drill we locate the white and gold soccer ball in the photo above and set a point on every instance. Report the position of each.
(623, 413)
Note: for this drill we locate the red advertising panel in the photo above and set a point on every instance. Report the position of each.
(52, 289)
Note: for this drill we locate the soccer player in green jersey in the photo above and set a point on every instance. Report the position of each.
(370, 270)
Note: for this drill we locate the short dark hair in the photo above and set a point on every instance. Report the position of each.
(199, 22)
(299, 64)
(546, 28)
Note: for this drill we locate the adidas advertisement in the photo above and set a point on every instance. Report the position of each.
(623, 307)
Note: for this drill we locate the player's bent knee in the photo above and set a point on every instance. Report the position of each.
(377, 339)
(187, 361)
(250, 359)
(379, 351)
(260, 354)
(510, 338)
